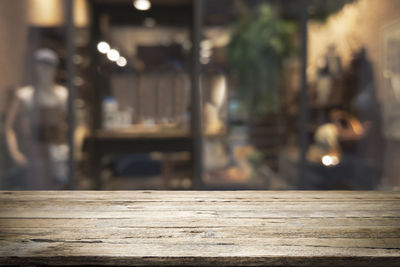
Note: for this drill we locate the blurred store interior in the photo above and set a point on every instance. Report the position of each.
(200, 94)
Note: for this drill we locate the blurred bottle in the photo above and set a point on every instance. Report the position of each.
(110, 112)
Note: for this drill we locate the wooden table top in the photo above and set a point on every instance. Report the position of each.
(200, 228)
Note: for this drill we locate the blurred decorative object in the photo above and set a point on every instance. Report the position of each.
(246, 161)
(116, 117)
(324, 89)
(348, 126)
(333, 61)
(325, 143)
(329, 68)
(326, 137)
(340, 30)
(110, 112)
(331, 140)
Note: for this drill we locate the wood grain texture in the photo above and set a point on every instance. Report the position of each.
(256, 228)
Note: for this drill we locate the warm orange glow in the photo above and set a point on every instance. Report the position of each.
(50, 13)
(45, 13)
(81, 18)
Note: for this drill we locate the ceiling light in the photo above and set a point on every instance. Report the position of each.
(121, 62)
(103, 47)
(113, 55)
(142, 4)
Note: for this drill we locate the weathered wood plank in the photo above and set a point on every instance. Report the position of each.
(199, 222)
(210, 196)
(389, 213)
(202, 232)
(158, 206)
(200, 228)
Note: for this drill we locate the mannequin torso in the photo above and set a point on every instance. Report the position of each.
(40, 110)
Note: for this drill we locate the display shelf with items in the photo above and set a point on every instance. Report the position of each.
(141, 92)
(338, 127)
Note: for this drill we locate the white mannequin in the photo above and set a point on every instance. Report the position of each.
(30, 101)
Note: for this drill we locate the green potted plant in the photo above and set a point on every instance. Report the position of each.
(259, 44)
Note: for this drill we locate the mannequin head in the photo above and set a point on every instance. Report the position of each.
(45, 65)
